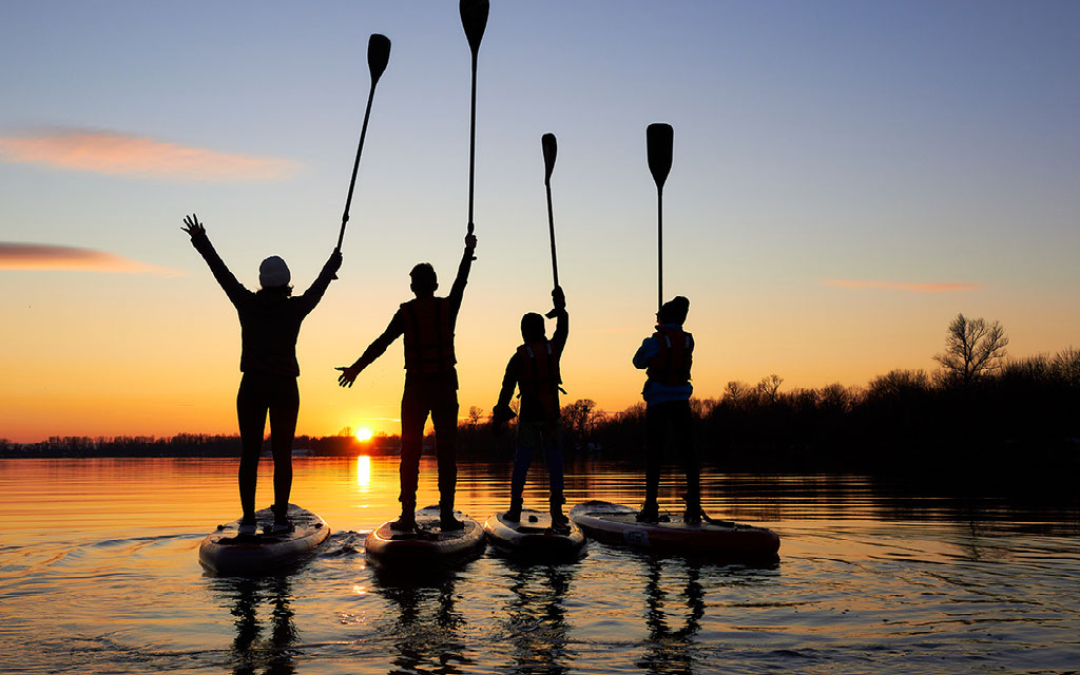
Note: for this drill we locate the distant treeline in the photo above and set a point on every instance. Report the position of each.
(188, 445)
(1023, 415)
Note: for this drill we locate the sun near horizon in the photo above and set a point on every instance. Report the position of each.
(364, 434)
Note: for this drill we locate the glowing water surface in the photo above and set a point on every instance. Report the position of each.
(99, 573)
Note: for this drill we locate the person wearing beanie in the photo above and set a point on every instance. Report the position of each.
(427, 323)
(269, 326)
(667, 356)
(534, 369)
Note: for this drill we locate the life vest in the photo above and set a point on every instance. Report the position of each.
(539, 376)
(671, 366)
(429, 335)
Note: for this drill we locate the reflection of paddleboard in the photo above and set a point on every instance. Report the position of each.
(532, 538)
(617, 524)
(426, 548)
(226, 552)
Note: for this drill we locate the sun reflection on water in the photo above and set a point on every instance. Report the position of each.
(363, 472)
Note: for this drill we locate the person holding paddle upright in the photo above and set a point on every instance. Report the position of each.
(667, 356)
(534, 369)
(270, 324)
(427, 323)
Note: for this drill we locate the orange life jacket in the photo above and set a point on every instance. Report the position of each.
(671, 366)
(539, 376)
(429, 335)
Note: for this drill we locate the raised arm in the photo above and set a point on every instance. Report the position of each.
(197, 231)
(313, 294)
(562, 321)
(374, 351)
(457, 292)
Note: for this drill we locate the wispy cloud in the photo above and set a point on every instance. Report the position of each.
(121, 154)
(873, 284)
(67, 258)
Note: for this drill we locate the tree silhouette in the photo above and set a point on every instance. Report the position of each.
(972, 349)
(580, 417)
(769, 387)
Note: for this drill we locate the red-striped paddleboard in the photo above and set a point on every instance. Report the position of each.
(617, 524)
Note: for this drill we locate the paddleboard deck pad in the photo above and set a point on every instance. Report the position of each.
(226, 551)
(617, 524)
(534, 538)
(427, 547)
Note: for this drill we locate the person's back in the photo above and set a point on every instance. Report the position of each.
(428, 334)
(538, 380)
(270, 326)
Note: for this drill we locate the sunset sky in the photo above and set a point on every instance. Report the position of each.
(847, 177)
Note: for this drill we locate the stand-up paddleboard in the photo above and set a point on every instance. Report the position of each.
(617, 524)
(426, 548)
(533, 537)
(227, 552)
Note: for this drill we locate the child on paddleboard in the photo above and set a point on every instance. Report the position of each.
(534, 369)
(667, 356)
(427, 323)
(269, 324)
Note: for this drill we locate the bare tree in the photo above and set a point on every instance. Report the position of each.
(1066, 365)
(580, 417)
(474, 416)
(898, 384)
(769, 387)
(739, 394)
(972, 348)
(837, 398)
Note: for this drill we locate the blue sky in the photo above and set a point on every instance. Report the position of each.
(847, 177)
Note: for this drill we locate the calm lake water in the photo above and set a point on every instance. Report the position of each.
(99, 574)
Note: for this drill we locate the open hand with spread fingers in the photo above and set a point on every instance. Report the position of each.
(192, 225)
(348, 375)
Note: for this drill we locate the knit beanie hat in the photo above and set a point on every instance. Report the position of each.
(273, 272)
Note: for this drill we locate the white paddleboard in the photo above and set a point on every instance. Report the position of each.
(426, 548)
(533, 538)
(225, 551)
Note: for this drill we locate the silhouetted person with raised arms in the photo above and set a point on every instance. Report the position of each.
(427, 323)
(667, 356)
(269, 323)
(534, 369)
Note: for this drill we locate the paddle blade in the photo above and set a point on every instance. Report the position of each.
(378, 55)
(474, 16)
(658, 139)
(551, 148)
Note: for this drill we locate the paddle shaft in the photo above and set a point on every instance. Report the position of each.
(659, 247)
(356, 164)
(551, 229)
(472, 142)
